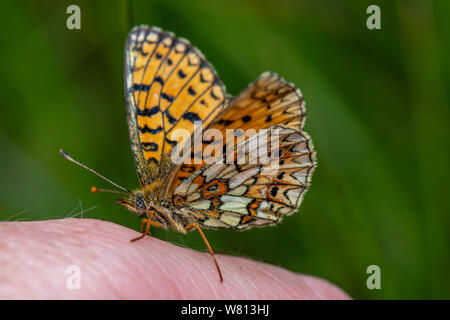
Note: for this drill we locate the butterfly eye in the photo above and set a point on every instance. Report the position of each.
(140, 204)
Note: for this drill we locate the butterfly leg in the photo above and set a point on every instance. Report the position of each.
(194, 225)
(145, 226)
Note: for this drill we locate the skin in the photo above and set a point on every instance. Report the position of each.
(34, 257)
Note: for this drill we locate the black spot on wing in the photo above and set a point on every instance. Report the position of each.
(167, 97)
(225, 122)
(202, 79)
(211, 93)
(246, 118)
(149, 146)
(191, 116)
(154, 160)
(171, 142)
(146, 129)
(138, 48)
(274, 191)
(159, 80)
(181, 74)
(141, 87)
(191, 91)
(171, 119)
(148, 112)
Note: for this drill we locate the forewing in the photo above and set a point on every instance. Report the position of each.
(169, 85)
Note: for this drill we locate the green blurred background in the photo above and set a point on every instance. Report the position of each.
(378, 112)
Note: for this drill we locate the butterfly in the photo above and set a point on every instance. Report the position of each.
(170, 86)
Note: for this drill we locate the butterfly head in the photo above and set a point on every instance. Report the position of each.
(136, 202)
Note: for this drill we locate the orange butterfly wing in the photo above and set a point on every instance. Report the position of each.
(168, 85)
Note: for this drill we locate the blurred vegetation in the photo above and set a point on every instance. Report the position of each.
(378, 114)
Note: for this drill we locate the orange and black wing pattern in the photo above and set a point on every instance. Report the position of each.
(243, 194)
(268, 101)
(169, 85)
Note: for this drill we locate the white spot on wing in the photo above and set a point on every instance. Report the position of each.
(241, 177)
(141, 36)
(212, 171)
(214, 223)
(152, 37)
(235, 204)
(239, 191)
(203, 204)
(293, 195)
(230, 219)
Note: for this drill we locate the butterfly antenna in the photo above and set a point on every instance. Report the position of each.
(94, 189)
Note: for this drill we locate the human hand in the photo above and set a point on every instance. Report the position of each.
(35, 256)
